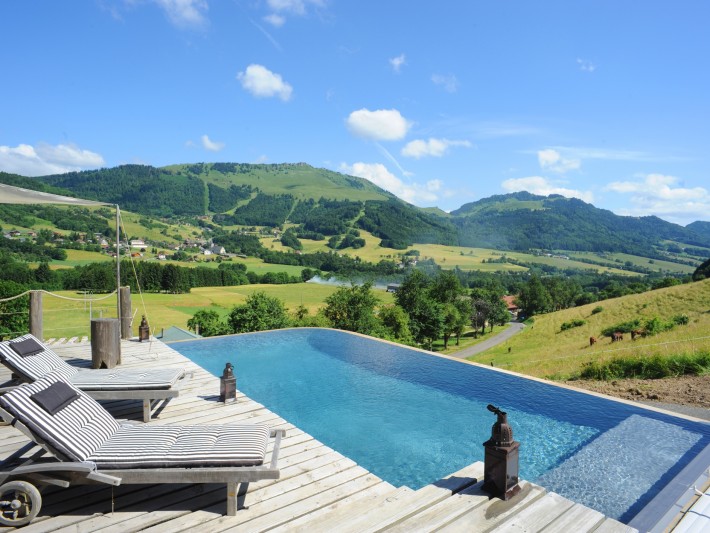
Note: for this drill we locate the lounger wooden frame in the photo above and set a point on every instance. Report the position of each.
(39, 468)
(147, 396)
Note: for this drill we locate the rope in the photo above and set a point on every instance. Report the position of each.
(10, 298)
(135, 275)
(79, 299)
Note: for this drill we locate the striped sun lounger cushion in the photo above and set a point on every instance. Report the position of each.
(33, 367)
(85, 431)
(149, 446)
(126, 378)
(75, 432)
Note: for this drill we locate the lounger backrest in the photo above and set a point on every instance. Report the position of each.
(76, 431)
(33, 367)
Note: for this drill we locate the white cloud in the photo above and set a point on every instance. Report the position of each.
(586, 66)
(185, 13)
(380, 125)
(544, 187)
(263, 83)
(209, 144)
(655, 194)
(432, 147)
(281, 8)
(275, 20)
(550, 159)
(46, 159)
(398, 62)
(449, 82)
(378, 174)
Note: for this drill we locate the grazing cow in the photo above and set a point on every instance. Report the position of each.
(617, 336)
(637, 333)
(592, 341)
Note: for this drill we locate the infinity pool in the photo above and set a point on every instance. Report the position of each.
(412, 418)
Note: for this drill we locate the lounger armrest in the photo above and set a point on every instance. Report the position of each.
(277, 433)
(55, 466)
(3, 390)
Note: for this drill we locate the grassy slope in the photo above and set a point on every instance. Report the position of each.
(543, 350)
(302, 181)
(65, 318)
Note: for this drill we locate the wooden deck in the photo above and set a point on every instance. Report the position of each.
(319, 489)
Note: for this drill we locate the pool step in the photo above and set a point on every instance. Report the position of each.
(396, 506)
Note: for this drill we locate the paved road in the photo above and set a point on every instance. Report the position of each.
(515, 327)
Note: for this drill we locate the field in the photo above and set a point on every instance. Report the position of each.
(65, 318)
(544, 350)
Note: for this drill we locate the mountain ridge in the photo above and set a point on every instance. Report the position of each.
(515, 221)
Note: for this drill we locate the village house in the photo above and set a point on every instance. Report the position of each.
(513, 308)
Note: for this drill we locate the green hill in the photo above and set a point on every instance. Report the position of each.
(545, 348)
(323, 203)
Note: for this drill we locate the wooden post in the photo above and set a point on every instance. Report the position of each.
(125, 317)
(36, 314)
(105, 343)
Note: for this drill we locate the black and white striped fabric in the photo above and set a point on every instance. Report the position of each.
(126, 378)
(33, 367)
(85, 431)
(76, 432)
(151, 446)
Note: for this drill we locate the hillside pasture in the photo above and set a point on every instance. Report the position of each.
(65, 318)
(617, 260)
(542, 349)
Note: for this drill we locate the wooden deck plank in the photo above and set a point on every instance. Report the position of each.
(443, 513)
(356, 504)
(577, 518)
(537, 515)
(490, 515)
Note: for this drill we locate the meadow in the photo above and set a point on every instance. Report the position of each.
(545, 349)
(67, 318)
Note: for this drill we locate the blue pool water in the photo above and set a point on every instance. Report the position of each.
(412, 418)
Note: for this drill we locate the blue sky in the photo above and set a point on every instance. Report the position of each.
(441, 103)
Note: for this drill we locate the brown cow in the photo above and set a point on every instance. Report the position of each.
(637, 333)
(617, 336)
(592, 341)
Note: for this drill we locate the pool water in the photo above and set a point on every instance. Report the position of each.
(412, 418)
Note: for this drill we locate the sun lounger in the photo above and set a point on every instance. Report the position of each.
(30, 359)
(87, 445)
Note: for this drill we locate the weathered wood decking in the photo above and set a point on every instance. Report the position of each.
(319, 489)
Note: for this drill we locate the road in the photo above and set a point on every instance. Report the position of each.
(515, 327)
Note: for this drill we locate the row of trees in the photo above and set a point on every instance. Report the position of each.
(427, 309)
(147, 275)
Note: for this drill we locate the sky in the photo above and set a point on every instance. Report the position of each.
(440, 102)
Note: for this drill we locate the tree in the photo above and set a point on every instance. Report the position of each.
(426, 314)
(451, 319)
(14, 318)
(396, 324)
(534, 298)
(207, 323)
(258, 313)
(353, 309)
(446, 287)
(463, 305)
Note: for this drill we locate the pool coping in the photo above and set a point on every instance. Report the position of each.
(674, 497)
